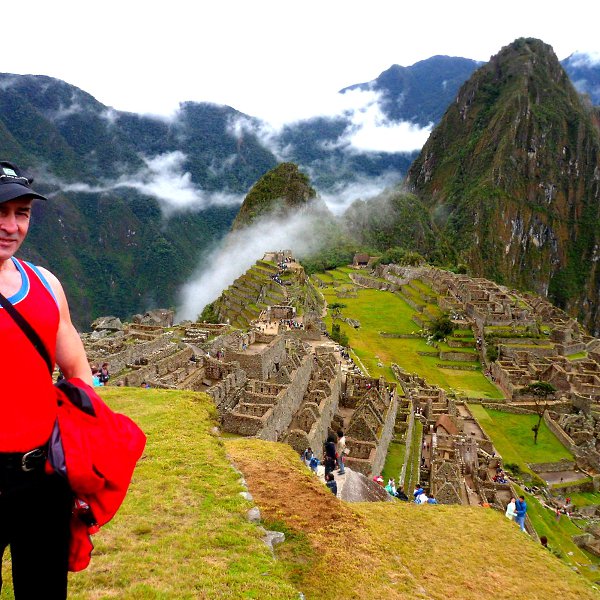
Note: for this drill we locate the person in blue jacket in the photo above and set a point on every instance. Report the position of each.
(521, 510)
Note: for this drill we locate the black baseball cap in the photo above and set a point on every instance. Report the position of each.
(13, 184)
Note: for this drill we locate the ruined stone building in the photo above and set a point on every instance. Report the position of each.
(374, 403)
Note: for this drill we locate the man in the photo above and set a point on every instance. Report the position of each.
(521, 510)
(35, 508)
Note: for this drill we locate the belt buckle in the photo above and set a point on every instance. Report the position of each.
(33, 454)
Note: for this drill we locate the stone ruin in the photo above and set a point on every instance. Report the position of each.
(370, 428)
(278, 387)
(457, 458)
(310, 424)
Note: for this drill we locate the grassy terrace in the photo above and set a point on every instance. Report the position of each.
(384, 311)
(394, 461)
(414, 460)
(513, 438)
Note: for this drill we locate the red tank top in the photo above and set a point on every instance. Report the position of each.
(27, 396)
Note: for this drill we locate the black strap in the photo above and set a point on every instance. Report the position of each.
(28, 330)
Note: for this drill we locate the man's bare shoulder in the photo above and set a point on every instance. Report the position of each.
(52, 280)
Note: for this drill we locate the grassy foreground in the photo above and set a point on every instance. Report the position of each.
(182, 531)
(395, 550)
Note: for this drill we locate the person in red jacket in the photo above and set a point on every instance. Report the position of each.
(35, 507)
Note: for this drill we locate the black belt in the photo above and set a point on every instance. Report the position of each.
(32, 460)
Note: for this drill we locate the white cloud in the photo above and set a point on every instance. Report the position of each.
(368, 131)
(241, 249)
(8, 82)
(585, 59)
(372, 132)
(267, 134)
(64, 111)
(343, 194)
(163, 178)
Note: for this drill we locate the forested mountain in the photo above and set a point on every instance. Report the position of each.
(108, 231)
(510, 176)
(281, 191)
(136, 199)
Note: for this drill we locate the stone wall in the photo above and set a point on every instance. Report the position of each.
(288, 402)
(553, 467)
(459, 356)
(262, 364)
(134, 352)
(558, 431)
(507, 408)
(371, 429)
(310, 425)
(162, 368)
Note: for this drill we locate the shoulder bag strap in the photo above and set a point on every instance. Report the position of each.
(28, 330)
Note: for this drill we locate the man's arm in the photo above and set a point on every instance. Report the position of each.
(70, 354)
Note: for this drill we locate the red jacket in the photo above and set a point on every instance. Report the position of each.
(96, 449)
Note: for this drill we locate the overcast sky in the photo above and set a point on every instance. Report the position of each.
(278, 60)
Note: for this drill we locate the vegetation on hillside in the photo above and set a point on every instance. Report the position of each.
(281, 191)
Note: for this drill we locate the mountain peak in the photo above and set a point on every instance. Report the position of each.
(282, 189)
(504, 175)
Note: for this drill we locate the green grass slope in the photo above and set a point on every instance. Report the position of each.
(182, 531)
(395, 550)
(379, 311)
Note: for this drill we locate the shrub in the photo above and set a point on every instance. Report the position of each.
(441, 327)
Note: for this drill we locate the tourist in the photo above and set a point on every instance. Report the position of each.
(521, 510)
(401, 495)
(35, 507)
(431, 500)
(314, 463)
(307, 455)
(329, 454)
(511, 512)
(418, 491)
(96, 377)
(331, 483)
(341, 451)
(422, 498)
(103, 374)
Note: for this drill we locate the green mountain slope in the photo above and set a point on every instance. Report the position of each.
(511, 178)
(281, 191)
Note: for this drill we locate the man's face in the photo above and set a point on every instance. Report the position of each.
(14, 223)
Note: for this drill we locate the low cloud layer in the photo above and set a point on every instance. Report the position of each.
(165, 179)
(238, 251)
(372, 132)
(368, 128)
(344, 194)
(585, 59)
